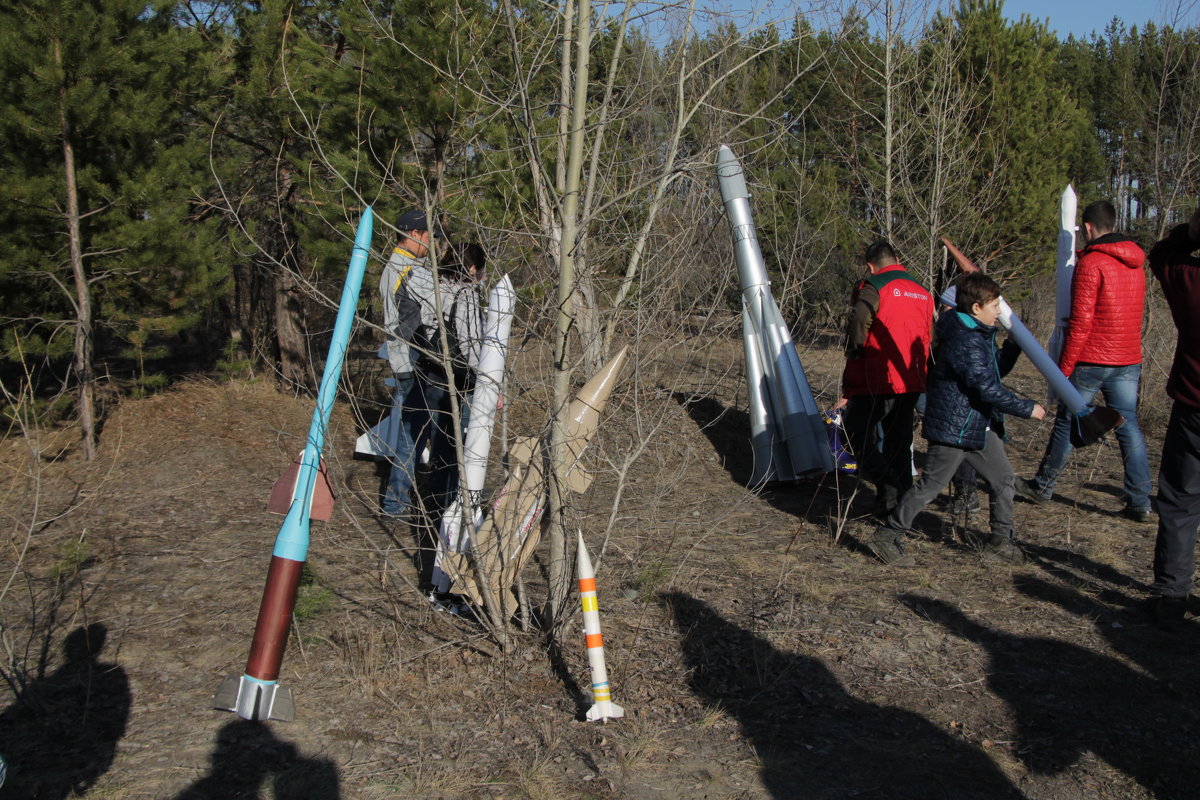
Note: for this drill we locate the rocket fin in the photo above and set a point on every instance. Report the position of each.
(523, 448)
(613, 711)
(578, 480)
(284, 491)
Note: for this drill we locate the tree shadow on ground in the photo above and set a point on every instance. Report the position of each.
(727, 428)
(816, 499)
(814, 739)
(60, 734)
(249, 758)
(1068, 701)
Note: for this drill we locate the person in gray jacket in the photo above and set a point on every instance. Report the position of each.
(460, 317)
(407, 290)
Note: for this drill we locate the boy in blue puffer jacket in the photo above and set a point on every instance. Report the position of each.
(964, 407)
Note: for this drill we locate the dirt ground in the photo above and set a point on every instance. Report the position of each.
(758, 651)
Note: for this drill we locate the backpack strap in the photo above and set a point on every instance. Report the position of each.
(407, 268)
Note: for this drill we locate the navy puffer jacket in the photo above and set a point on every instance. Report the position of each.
(965, 397)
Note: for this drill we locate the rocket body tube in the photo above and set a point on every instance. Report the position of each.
(455, 533)
(257, 695)
(603, 708)
(1064, 271)
(1041, 359)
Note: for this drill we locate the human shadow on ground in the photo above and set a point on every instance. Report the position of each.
(1115, 491)
(814, 498)
(249, 758)
(1060, 502)
(60, 734)
(1127, 625)
(1064, 564)
(1067, 701)
(814, 739)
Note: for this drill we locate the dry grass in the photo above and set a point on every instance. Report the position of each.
(404, 700)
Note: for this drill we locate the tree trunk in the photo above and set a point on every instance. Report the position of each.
(587, 315)
(84, 343)
(560, 576)
(289, 328)
(294, 363)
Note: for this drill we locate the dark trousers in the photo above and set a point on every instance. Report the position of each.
(941, 462)
(1178, 503)
(891, 469)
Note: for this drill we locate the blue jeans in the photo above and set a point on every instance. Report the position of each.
(413, 419)
(1119, 385)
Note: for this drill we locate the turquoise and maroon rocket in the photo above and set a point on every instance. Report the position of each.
(257, 695)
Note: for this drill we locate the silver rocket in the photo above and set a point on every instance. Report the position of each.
(787, 432)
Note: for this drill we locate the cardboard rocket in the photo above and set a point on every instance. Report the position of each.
(508, 536)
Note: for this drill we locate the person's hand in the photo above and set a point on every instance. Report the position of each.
(499, 402)
(1039, 411)
(841, 403)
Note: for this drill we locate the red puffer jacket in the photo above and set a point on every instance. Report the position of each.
(1108, 297)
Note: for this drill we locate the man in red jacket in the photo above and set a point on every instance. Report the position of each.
(1103, 353)
(1173, 261)
(887, 358)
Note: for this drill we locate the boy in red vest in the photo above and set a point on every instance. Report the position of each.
(887, 358)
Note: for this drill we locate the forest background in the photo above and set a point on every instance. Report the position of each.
(179, 180)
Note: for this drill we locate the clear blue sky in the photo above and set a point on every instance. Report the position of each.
(1082, 17)
(1078, 17)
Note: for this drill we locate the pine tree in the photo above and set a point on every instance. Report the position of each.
(98, 185)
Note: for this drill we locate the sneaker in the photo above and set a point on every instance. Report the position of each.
(1142, 515)
(888, 548)
(455, 604)
(1002, 548)
(1028, 490)
(965, 503)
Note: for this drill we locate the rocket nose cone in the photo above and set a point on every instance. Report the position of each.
(366, 226)
(503, 296)
(583, 563)
(1068, 206)
(730, 176)
(505, 289)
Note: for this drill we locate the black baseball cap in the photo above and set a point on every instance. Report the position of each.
(415, 220)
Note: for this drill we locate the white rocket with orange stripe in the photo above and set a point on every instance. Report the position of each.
(604, 708)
